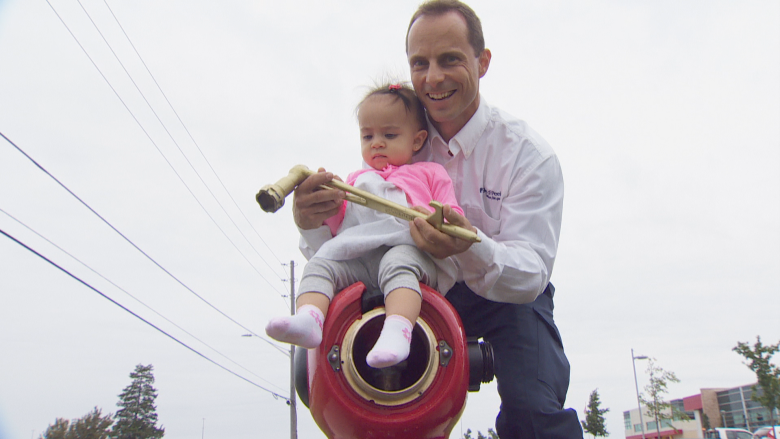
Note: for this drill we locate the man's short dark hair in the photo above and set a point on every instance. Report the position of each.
(441, 7)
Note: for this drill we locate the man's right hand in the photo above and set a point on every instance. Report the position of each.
(438, 244)
(312, 204)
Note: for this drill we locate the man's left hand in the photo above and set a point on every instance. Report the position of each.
(439, 244)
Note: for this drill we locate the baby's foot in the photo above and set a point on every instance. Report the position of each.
(393, 344)
(304, 329)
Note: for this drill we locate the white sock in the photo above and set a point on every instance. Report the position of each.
(304, 329)
(393, 344)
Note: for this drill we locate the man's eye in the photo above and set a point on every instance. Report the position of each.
(452, 59)
(419, 64)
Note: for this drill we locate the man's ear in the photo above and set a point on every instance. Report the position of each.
(484, 62)
(419, 140)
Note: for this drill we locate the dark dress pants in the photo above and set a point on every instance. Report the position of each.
(530, 366)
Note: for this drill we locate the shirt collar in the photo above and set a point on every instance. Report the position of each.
(466, 139)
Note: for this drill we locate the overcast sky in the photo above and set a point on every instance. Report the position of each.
(665, 116)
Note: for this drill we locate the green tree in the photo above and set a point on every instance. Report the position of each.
(656, 389)
(767, 374)
(93, 425)
(594, 422)
(137, 416)
(491, 434)
(705, 422)
(57, 430)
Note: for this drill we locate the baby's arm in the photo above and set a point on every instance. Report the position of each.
(442, 189)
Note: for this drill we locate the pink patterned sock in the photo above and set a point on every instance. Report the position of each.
(393, 344)
(304, 329)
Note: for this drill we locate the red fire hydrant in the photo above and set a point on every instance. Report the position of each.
(420, 398)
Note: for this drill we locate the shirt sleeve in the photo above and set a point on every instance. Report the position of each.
(335, 221)
(514, 261)
(311, 240)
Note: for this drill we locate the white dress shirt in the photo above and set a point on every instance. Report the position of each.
(509, 183)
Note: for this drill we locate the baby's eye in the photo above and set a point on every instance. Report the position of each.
(367, 137)
(391, 136)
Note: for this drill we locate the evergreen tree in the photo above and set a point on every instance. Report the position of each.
(594, 422)
(137, 416)
(767, 374)
(93, 425)
(57, 430)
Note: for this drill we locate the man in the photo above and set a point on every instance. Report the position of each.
(509, 183)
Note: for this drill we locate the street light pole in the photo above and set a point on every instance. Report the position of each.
(636, 384)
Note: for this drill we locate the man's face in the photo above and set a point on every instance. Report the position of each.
(445, 70)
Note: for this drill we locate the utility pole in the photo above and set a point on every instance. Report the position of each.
(293, 411)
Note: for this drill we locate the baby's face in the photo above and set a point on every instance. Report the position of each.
(388, 133)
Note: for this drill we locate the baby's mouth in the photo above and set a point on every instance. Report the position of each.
(441, 96)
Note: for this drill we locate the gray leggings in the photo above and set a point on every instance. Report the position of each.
(386, 268)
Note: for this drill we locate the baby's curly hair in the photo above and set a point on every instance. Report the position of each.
(406, 94)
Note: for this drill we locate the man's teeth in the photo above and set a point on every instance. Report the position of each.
(439, 96)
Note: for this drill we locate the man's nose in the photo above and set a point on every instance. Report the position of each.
(435, 74)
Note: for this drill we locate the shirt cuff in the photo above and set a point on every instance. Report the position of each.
(481, 254)
(314, 238)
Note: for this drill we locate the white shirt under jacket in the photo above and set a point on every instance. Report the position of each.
(509, 183)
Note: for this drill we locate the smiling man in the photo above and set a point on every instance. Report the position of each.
(509, 183)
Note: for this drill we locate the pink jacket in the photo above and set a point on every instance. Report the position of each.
(422, 182)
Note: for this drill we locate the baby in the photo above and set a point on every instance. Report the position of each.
(370, 246)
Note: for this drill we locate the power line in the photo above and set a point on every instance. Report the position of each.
(280, 349)
(139, 317)
(123, 236)
(181, 179)
(166, 128)
(189, 134)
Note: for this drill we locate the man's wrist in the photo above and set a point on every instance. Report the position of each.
(479, 254)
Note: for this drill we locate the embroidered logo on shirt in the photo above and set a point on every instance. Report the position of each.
(492, 195)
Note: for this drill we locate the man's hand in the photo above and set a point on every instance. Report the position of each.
(311, 204)
(438, 244)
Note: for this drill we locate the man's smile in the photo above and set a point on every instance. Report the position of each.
(441, 96)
